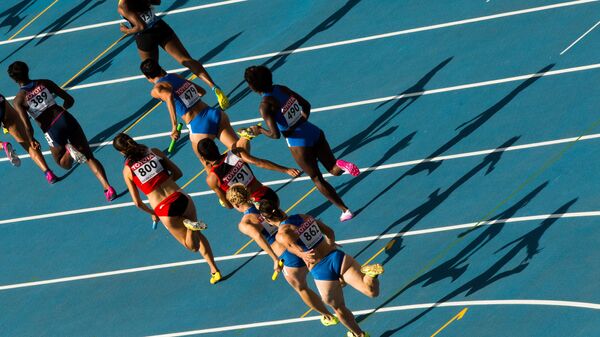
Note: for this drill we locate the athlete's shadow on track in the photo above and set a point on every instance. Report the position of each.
(12, 15)
(64, 20)
(122, 124)
(529, 244)
(278, 60)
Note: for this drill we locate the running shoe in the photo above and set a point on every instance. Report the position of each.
(246, 133)
(329, 321)
(110, 194)
(50, 177)
(76, 155)
(372, 270)
(11, 154)
(215, 277)
(346, 215)
(351, 334)
(221, 97)
(348, 167)
(194, 225)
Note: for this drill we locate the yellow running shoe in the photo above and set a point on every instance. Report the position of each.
(247, 132)
(351, 334)
(221, 97)
(194, 225)
(329, 321)
(215, 277)
(372, 270)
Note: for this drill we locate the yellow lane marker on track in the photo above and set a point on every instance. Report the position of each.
(32, 20)
(455, 318)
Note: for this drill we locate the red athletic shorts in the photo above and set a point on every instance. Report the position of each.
(173, 205)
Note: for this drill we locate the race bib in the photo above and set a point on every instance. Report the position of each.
(270, 229)
(149, 17)
(239, 174)
(188, 94)
(309, 232)
(39, 99)
(147, 168)
(292, 111)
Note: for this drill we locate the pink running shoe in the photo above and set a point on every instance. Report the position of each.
(50, 177)
(348, 167)
(110, 194)
(11, 154)
(347, 215)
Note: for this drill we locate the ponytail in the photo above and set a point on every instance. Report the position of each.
(132, 150)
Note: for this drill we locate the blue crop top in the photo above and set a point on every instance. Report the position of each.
(291, 111)
(268, 231)
(185, 93)
(308, 230)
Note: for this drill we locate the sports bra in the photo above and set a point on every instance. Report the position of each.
(290, 113)
(232, 170)
(148, 17)
(268, 231)
(148, 173)
(309, 233)
(38, 98)
(185, 93)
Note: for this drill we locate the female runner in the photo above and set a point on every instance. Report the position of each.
(152, 31)
(286, 113)
(155, 175)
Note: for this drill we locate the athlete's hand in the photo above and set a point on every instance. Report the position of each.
(34, 144)
(155, 218)
(123, 29)
(276, 266)
(293, 172)
(308, 256)
(255, 130)
(175, 134)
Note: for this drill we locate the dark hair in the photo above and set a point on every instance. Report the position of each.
(259, 78)
(269, 209)
(207, 148)
(139, 6)
(133, 151)
(151, 69)
(19, 71)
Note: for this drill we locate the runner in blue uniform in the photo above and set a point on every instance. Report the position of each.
(151, 31)
(36, 99)
(254, 226)
(184, 100)
(286, 113)
(314, 242)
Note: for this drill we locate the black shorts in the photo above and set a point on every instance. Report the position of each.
(63, 129)
(149, 39)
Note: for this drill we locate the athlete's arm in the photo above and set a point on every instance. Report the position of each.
(137, 25)
(213, 183)
(303, 102)
(163, 92)
(68, 100)
(267, 111)
(253, 231)
(135, 195)
(327, 231)
(21, 108)
(263, 163)
(169, 165)
(287, 237)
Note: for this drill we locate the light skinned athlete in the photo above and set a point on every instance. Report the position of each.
(152, 31)
(184, 100)
(150, 171)
(225, 170)
(254, 226)
(286, 113)
(36, 99)
(314, 242)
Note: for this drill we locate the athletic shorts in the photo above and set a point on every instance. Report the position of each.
(304, 135)
(291, 260)
(173, 205)
(158, 35)
(264, 192)
(62, 129)
(206, 122)
(330, 267)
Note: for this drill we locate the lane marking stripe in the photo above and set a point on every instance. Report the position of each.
(342, 242)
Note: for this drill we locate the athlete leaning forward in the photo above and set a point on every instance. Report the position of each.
(150, 171)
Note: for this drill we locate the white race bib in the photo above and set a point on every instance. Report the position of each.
(270, 229)
(149, 17)
(147, 168)
(309, 232)
(39, 99)
(240, 173)
(292, 111)
(188, 94)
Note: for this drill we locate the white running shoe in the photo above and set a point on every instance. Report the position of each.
(347, 215)
(76, 155)
(194, 225)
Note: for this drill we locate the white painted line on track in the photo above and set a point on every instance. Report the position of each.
(579, 39)
(341, 242)
(379, 100)
(347, 42)
(327, 175)
(116, 22)
(511, 302)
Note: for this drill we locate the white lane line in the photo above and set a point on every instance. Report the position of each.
(581, 37)
(341, 242)
(304, 178)
(511, 302)
(116, 22)
(347, 42)
(379, 100)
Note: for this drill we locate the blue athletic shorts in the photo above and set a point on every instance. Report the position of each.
(330, 267)
(206, 122)
(291, 260)
(305, 135)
